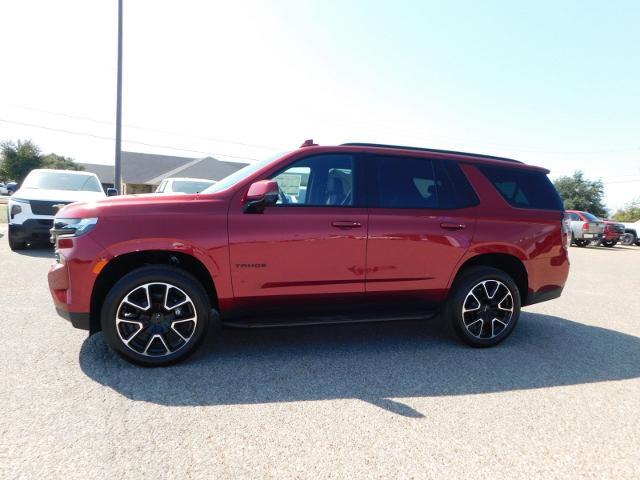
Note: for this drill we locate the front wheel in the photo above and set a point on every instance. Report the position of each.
(484, 306)
(155, 316)
(15, 244)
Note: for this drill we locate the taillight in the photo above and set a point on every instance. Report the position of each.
(566, 230)
(585, 226)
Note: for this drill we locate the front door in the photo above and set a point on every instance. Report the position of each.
(310, 247)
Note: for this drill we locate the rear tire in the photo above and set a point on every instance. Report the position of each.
(629, 238)
(608, 243)
(581, 243)
(155, 316)
(483, 307)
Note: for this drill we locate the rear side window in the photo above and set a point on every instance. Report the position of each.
(413, 182)
(524, 188)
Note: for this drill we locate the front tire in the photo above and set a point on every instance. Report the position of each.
(483, 307)
(15, 244)
(155, 316)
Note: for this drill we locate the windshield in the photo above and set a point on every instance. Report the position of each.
(62, 181)
(241, 174)
(190, 186)
(591, 217)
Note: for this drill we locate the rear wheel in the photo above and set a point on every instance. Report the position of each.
(628, 238)
(582, 243)
(155, 316)
(608, 243)
(484, 306)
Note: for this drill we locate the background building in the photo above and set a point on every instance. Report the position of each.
(142, 172)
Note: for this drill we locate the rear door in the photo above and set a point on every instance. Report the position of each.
(421, 222)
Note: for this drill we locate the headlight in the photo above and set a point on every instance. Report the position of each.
(71, 227)
(14, 206)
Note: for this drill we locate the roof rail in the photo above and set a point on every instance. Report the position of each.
(433, 150)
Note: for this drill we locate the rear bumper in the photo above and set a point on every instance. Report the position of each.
(31, 230)
(543, 296)
(78, 320)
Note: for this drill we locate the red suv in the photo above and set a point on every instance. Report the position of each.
(347, 233)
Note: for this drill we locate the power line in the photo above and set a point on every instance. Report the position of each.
(104, 137)
(167, 132)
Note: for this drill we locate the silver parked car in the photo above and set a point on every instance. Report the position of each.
(585, 228)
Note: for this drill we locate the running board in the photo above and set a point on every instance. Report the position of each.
(257, 322)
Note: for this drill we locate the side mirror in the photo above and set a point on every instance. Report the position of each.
(112, 192)
(261, 194)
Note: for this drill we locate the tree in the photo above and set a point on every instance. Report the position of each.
(629, 213)
(18, 159)
(59, 162)
(580, 193)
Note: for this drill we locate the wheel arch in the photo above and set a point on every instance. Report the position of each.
(125, 263)
(509, 263)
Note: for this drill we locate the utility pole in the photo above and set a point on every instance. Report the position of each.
(117, 177)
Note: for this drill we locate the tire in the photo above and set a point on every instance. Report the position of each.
(629, 238)
(608, 243)
(476, 285)
(15, 244)
(581, 243)
(174, 326)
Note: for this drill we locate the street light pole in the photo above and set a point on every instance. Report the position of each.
(117, 177)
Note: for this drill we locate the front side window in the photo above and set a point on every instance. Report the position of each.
(320, 180)
(414, 182)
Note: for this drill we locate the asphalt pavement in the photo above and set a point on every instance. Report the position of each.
(559, 399)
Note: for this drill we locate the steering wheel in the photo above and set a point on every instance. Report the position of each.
(283, 196)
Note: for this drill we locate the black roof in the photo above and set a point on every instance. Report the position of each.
(432, 150)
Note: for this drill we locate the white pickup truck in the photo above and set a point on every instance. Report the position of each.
(32, 208)
(631, 234)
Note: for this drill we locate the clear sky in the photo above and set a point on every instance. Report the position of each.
(554, 83)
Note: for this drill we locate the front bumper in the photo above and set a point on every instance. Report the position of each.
(72, 277)
(31, 230)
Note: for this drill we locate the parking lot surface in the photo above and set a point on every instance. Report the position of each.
(559, 399)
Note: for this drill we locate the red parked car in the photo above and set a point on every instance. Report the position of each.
(333, 234)
(612, 233)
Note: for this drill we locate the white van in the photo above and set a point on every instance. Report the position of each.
(32, 208)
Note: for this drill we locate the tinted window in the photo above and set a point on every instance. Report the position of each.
(524, 188)
(591, 217)
(318, 180)
(190, 186)
(575, 217)
(411, 182)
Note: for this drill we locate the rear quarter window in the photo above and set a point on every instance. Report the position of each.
(524, 188)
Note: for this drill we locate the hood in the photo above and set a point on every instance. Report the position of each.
(125, 205)
(58, 195)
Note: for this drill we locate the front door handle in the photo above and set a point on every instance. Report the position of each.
(453, 226)
(346, 224)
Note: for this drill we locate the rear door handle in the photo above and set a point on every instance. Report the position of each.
(453, 226)
(346, 224)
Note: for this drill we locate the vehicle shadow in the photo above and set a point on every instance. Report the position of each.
(38, 251)
(375, 363)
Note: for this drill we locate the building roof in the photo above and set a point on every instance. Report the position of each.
(151, 169)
